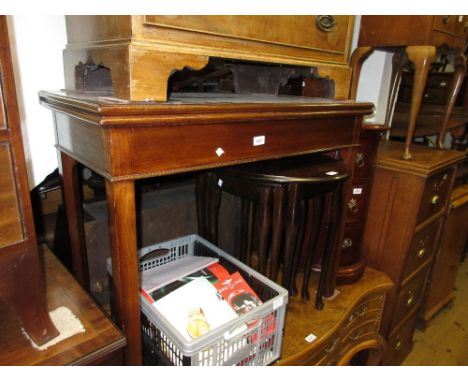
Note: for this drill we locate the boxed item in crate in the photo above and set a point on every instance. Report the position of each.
(251, 338)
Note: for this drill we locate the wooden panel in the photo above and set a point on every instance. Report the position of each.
(395, 30)
(97, 28)
(167, 149)
(3, 124)
(299, 31)
(85, 140)
(11, 230)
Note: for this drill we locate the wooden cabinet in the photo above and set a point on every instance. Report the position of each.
(441, 283)
(21, 278)
(405, 218)
(142, 51)
(352, 260)
(345, 330)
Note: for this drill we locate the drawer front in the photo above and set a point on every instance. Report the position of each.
(365, 331)
(357, 203)
(435, 194)
(365, 156)
(351, 245)
(400, 342)
(409, 296)
(220, 144)
(327, 33)
(421, 249)
(369, 309)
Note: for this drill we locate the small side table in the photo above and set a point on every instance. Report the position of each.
(418, 39)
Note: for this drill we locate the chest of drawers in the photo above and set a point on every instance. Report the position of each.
(406, 213)
(141, 52)
(345, 332)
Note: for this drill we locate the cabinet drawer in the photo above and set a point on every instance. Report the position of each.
(365, 156)
(351, 245)
(310, 32)
(357, 203)
(369, 309)
(421, 249)
(409, 296)
(400, 342)
(435, 194)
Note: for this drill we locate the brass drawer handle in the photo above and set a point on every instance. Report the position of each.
(435, 199)
(445, 19)
(398, 344)
(347, 243)
(410, 299)
(360, 162)
(421, 253)
(353, 205)
(325, 23)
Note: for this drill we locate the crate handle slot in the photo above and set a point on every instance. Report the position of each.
(239, 355)
(154, 254)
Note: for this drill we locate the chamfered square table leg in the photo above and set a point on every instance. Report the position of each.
(125, 275)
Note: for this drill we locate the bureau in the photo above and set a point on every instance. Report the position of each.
(406, 215)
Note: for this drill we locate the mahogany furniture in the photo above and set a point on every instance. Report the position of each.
(21, 278)
(353, 260)
(300, 197)
(345, 332)
(407, 209)
(142, 51)
(419, 38)
(440, 289)
(124, 141)
(100, 344)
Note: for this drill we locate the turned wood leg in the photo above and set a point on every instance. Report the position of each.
(458, 76)
(125, 274)
(331, 254)
(291, 233)
(299, 242)
(73, 200)
(398, 60)
(357, 60)
(279, 200)
(201, 196)
(214, 202)
(264, 229)
(422, 57)
(250, 215)
(315, 217)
